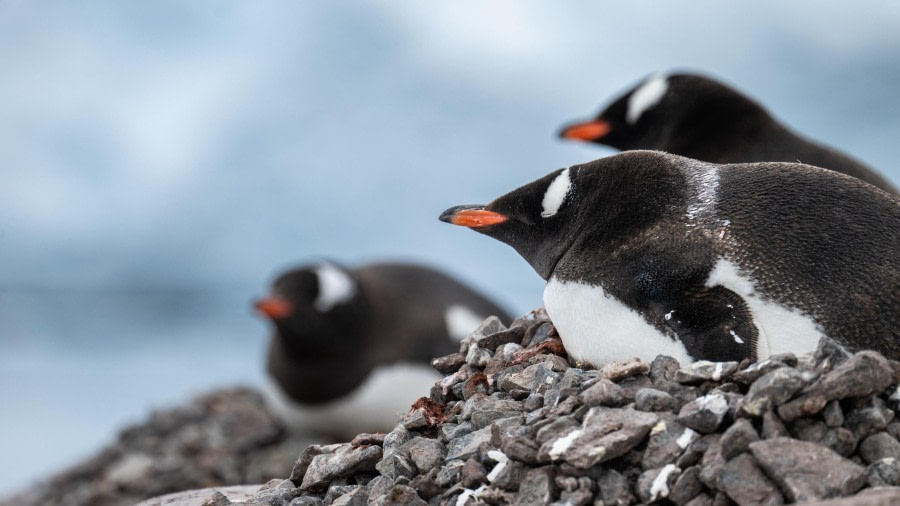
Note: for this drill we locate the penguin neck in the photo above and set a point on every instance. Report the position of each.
(315, 379)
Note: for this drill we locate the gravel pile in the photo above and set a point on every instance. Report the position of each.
(223, 438)
(513, 422)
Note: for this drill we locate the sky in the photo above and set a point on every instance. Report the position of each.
(163, 161)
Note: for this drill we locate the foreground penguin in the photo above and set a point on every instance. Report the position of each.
(352, 347)
(647, 253)
(698, 117)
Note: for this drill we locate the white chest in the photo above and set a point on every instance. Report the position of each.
(377, 405)
(597, 328)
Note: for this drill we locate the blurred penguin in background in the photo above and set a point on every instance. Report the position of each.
(352, 347)
(701, 118)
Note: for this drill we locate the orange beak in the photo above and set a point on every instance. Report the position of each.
(274, 308)
(587, 131)
(472, 216)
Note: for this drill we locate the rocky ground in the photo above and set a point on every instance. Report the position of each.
(514, 422)
(223, 438)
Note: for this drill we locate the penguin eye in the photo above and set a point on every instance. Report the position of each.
(556, 193)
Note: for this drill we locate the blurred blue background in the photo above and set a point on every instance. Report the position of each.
(162, 161)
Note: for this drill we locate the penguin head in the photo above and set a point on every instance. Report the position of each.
(600, 201)
(662, 111)
(314, 306)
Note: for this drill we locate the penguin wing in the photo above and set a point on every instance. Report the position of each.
(714, 323)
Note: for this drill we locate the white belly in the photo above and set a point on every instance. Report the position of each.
(597, 328)
(377, 405)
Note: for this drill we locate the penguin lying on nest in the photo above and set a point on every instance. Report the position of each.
(352, 348)
(698, 117)
(647, 253)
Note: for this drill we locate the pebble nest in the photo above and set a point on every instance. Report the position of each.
(514, 422)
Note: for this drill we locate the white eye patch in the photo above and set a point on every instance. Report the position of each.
(645, 97)
(335, 287)
(556, 194)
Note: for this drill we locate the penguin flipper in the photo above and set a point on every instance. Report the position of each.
(714, 323)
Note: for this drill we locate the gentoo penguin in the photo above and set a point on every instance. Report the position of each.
(351, 349)
(698, 117)
(648, 253)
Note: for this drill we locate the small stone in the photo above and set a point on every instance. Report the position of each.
(863, 374)
(829, 354)
(702, 499)
(396, 466)
(400, 495)
(737, 438)
(746, 484)
(426, 454)
(523, 380)
(449, 474)
(334, 492)
(605, 434)
(305, 459)
(712, 464)
(705, 414)
(617, 371)
(425, 486)
(553, 428)
(840, 439)
(217, 499)
(509, 476)
(538, 334)
(503, 337)
(756, 371)
(478, 357)
(884, 473)
(603, 393)
(614, 488)
(650, 399)
(686, 487)
(465, 446)
(867, 416)
(345, 461)
(395, 440)
(579, 497)
(632, 384)
(806, 471)
(704, 370)
(379, 486)
(655, 484)
(473, 474)
(774, 389)
(538, 487)
(491, 325)
(520, 448)
(697, 449)
(663, 369)
(833, 415)
(772, 426)
(668, 440)
(449, 364)
(533, 402)
(879, 446)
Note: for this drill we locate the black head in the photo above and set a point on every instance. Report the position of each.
(600, 202)
(663, 111)
(316, 309)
